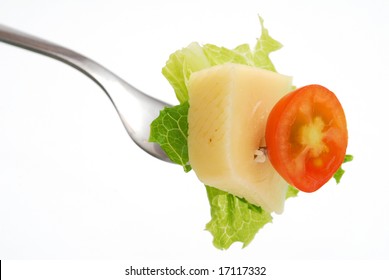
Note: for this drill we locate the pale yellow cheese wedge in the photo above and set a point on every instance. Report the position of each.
(229, 106)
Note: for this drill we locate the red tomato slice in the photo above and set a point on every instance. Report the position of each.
(306, 137)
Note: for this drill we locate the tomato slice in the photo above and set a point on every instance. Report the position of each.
(306, 137)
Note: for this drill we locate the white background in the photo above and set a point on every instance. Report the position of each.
(74, 186)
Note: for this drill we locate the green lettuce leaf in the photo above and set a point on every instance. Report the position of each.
(194, 57)
(181, 65)
(340, 172)
(265, 45)
(291, 192)
(233, 219)
(243, 54)
(170, 131)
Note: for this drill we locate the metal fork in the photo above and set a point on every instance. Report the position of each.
(136, 109)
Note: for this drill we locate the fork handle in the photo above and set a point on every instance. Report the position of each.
(32, 43)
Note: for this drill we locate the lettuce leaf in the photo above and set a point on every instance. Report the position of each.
(181, 65)
(170, 131)
(233, 219)
(291, 192)
(340, 172)
(194, 57)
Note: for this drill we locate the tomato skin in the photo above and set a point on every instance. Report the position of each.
(306, 137)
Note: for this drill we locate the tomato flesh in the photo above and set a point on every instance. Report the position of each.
(306, 137)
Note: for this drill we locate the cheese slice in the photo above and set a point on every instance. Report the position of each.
(229, 106)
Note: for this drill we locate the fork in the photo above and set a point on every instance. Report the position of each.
(136, 109)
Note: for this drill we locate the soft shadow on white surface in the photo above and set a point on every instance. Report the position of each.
(73, 185)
